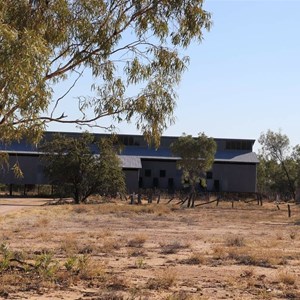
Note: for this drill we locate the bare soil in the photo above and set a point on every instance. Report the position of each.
(150, 251)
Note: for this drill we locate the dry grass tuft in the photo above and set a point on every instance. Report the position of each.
(134, 252)
(116, 283)
(89, 268)
(110, 245)
(194, 259)
(293, 235)
(219, 252)
(235, 241)
(42, 222)
(183, 295)
(250, 259)
(81, 209)
(247, 273)
(287, 278)
(172, 248)
(70, 244)
(137, 241)
(163, 280)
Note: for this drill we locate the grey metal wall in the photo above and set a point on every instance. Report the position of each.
(234, 177)
(156, 166)
(31, 167)
(131, 180)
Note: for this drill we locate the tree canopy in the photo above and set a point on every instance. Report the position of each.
(196, 157)
(279, 168)
(125, 44)
(71, 165)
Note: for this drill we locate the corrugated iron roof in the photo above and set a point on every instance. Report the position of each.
(131, 156)
(131, 162)
(236, 157)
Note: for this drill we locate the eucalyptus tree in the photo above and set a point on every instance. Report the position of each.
(277, 152)
(133, 49)
(71, 164)
(196, 158)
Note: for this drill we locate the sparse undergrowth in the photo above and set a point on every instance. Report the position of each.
(122, 251)
(44, 270)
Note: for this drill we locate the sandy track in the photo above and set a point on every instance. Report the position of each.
(8, 205)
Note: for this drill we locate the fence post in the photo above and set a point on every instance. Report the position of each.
(11, 189)
(132, 199)
(139, 198)
(158, 198)
(289, 211)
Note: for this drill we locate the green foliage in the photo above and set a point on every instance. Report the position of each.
(46, 266)
(70, 264)
(5, 256)
(279, 167)
(71, 164)
(197, 157)
(111, 176)
(275, 145)
(124, 43)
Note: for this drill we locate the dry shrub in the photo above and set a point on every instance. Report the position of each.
(45, 236)
(172, 248)
(70, 244)
(110, 245)
(137, 241)
(279, 236)
(134, 252)
(287, 278)
(219, 252)
(121, 209)
(117, 283)
(89, 268)
(80, 208)
(247, 273)
(235, 241)
(7, 280)
(104, 233)
(194, 259)
(163, 280)
(181, 295)
(42, 222)
(293, 235)
(162, 209)
(110, 295)
(250, 259)
(87, 249)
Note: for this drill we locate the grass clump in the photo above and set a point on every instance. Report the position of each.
(287, 278)
(138, 241)
(249, 259)
(110, 245)
(194, 259)
(140, 263)
(163, 280)
(235, 241)
(172, 248)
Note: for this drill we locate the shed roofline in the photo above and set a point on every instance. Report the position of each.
(140, 135)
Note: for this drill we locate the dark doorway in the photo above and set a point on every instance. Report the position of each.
(141, 182)
(171, 185)
(155, 182)
(216, 185)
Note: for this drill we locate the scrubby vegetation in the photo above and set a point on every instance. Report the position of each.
(159, 251)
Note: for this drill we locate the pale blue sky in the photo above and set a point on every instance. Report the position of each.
(245, 77)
